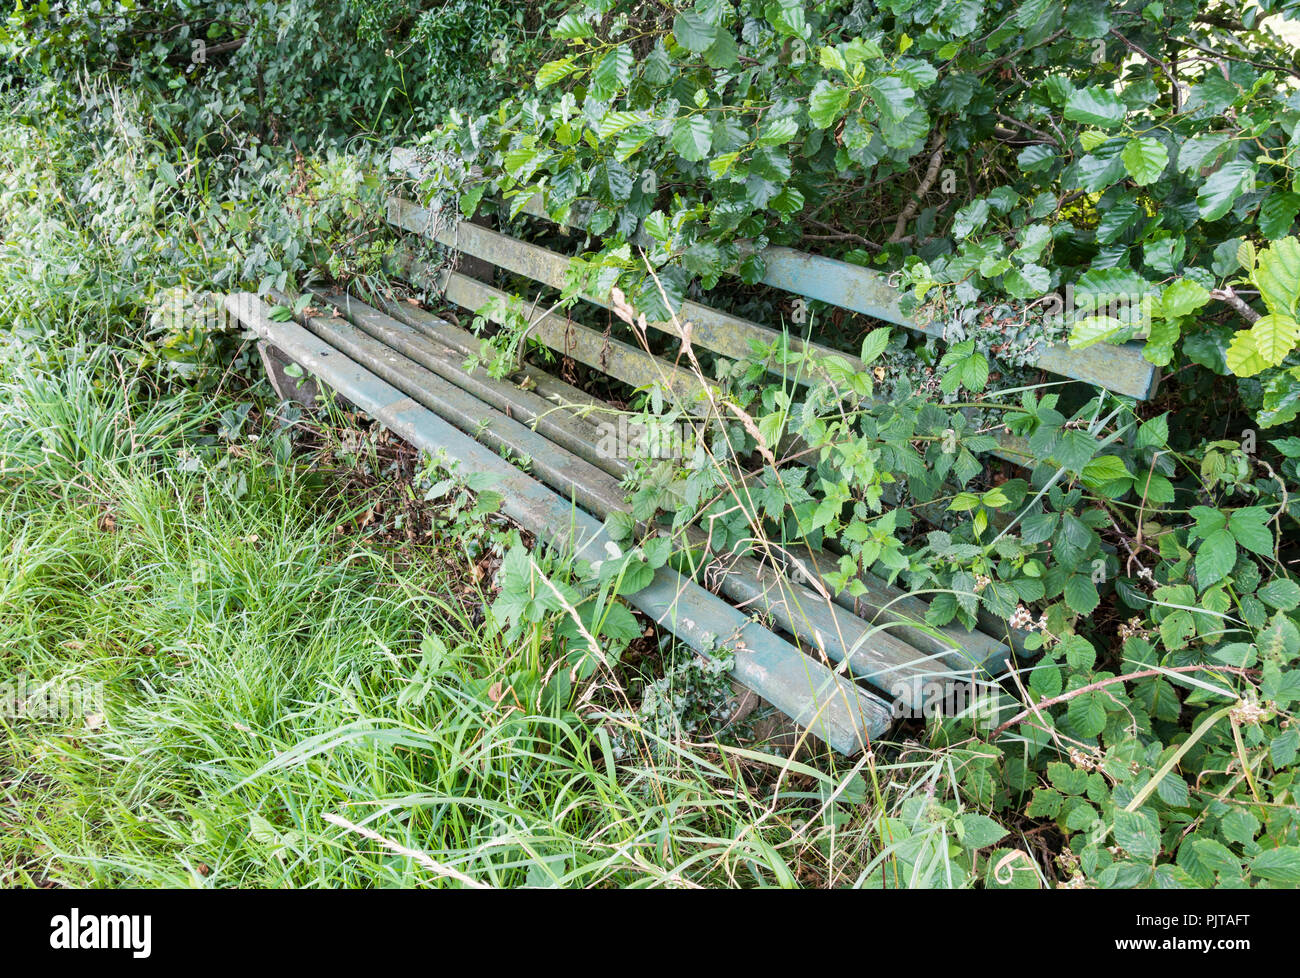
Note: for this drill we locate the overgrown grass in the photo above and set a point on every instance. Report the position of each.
(253, 686)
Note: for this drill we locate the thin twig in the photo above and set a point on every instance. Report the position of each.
(1175, 91)
(1127, 677)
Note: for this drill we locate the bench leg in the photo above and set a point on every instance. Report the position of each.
(298, 390)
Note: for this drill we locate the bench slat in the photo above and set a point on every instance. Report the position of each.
(467, 344)
(887, 603)
(575, 477)
(1121, 369)
(874, 652)
(627, 363)
(731, 336)
(555, 423)
(831, 706)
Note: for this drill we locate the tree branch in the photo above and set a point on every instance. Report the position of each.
(1174, 90)
(927, 181)
(1228, 295)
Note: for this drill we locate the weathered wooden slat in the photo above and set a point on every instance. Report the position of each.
(906, 615)
(873, 653)
(575, 477)
(557, 424)
(731, 336)
(831, 706)
(623, 361)
(1121, 369)
(467, 344)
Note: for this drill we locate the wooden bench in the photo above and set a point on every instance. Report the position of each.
(406, 368)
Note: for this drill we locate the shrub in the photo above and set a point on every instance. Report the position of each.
(996, 152)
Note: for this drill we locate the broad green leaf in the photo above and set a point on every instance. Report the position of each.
(894, 98)
(874, 344)
(693, 32)
(1183, 297)
(1105, 468)
(572, 26)
(1223, 187)
(1277, 214)
(1215, 558)
(613, 73)
(1216, 857)
(1028, 282)
(554, 71)
(692, 137)
(1201, 151)
(522, 163)
(1242, 356)
(1154, 433)
(1045, 803)
(616, 122)
(830, 58)
(778, 131)
(917, 74)
(1284, 748)
(1081, 595)
(978, 831)
(1031, 12)
(1045, 679)
(1087, 715)
(1280, 593)
(970, 218)
(657, 69)
(788, 202)
(1280, 865)
(1033, 240)
(1096, 106)
(1249, 527)
(787, 16)
(723, 52)
(1275, 336)
(719, 166)
(1240, 826)
(1145, 158)
(1278, 275)
(826, 104)
(1090, 139)
(1095, 329)
(1117, 219)
(1138, 833)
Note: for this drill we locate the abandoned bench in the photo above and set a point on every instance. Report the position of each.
(840, 667)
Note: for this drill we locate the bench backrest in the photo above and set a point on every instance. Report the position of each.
(1119, 368)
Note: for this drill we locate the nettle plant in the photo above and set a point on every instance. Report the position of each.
(1158, 730)
(564, 616)
(1163, 750)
